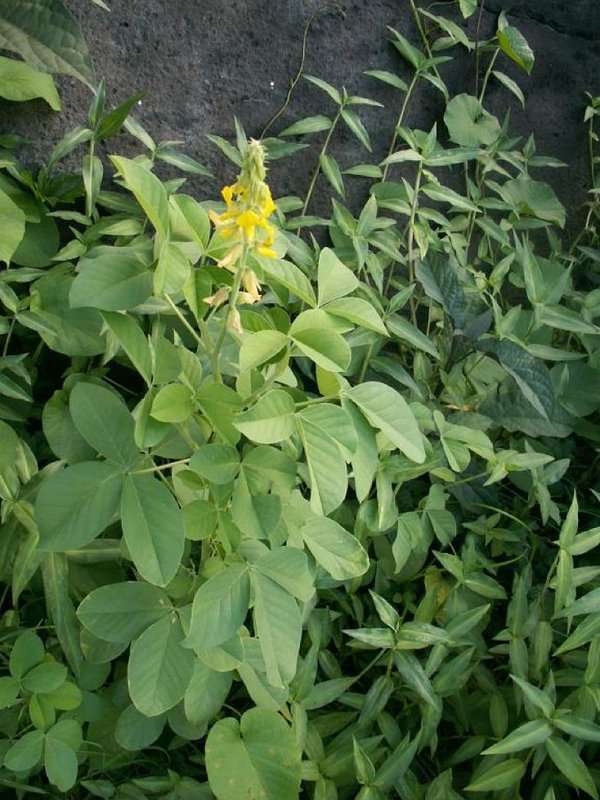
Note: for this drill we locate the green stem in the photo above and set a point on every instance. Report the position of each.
(423, 35)
(233, 298)
(185, 323)
(161, 468)
(591, 151)
(9, 334)
(365, 364)
(400, 120)
(411, 238)
(324, 399)
(316, 173)
(488, 72)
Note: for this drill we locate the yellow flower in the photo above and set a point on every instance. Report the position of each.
(249, 205)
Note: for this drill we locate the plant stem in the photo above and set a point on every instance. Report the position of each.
(488, 72)
(9, 334)
(324, 399)
(365, 364)
(334, 8)
(185, 323)
(479, 17)
(423, 35)
(162, 467)
(316, 173)
(411, 236)
(233, 297)
(400, 120)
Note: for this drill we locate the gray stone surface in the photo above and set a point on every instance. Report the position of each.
(201, 61)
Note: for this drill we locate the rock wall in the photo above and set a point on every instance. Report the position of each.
(201, 61)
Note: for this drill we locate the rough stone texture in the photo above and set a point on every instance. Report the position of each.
(201, 61)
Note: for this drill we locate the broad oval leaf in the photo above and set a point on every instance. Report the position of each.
(159, 668)
(152, 527)
(257, 758)
(75, 505)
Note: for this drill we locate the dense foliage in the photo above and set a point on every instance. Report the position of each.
(297, 505)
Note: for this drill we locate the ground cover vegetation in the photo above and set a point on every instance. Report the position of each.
(295, 505)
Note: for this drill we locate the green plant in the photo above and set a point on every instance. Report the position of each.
(293, 516)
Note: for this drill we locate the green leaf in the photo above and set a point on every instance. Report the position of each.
(25, 753)
(20, 82)
(136, 731)
(500, 776)
(468, 7)
(443, 194)
(217, 463)
(47, 36)
(148, 191)
(44, 678)
(120, 612)
(514, 45)
(522, 738)
(173, 269)
(326, 468)
(334, 278)
(531, 375)
(511, 85)
(534, 199)
(333, 422)
(260, 347)
(111, 279)
(569, 762)
(152, 528)
(104, 421)
(220, 607)
(288, 566)
(63, 741)
(133, 341)
(12, 222)
(365, 459)
(408, 332)
(337, 551)
(220, 404)
(55, 578)
(468, 123)
(206, 693)
(9, 691)
(307, 125)
(355, 124)
(387, 411)
(288, 275)
(278, 625)
(75, 505)
(173, 403)
(26, 652)
(326, 348)
(588, 604)
(270, 420)
(254, 759)
(159, 668)
(63, 437)
(331, 170)
(577, 727)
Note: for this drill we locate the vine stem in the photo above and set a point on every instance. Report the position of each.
(233, 298)
(479, 18)
(411, 239)
(185, 323)
(317, 172)
(423, 35)
(335, 8)
(400, 120)
(488, 72)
